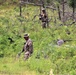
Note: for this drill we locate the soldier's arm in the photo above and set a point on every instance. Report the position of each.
(23, 47)
(21, 50)
(40, 17)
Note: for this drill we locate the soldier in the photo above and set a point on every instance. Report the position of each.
(60, 42)
(28, 47)
(44, 18)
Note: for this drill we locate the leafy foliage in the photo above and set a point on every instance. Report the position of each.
(47, 54)
(72, 3)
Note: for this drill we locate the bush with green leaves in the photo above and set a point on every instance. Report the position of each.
(47, 54)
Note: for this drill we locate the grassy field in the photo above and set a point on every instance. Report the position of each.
(48, 57)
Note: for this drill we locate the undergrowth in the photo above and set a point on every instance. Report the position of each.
(47, 54)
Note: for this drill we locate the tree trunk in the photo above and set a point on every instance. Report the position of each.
(73, 9)
(63, 4)
(59, 12)
(73, 12)
(20, 10)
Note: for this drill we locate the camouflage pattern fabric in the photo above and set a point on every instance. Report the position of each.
(44, 19)
(28, 49)
(44, 24)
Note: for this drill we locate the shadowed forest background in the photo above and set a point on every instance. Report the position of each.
(19, 17)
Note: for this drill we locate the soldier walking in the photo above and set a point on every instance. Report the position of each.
(28, 47)
(44, 18)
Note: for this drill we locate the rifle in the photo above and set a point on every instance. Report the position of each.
(19, 54)
(69, 40)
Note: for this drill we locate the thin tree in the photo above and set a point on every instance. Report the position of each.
(62, 2)
(59, 12)
(72, 3)
(20, 7)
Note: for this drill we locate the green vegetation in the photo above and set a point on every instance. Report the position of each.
(47, 55)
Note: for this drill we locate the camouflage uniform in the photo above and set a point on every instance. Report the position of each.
(44, 21)
(28, 49)
(43, 17)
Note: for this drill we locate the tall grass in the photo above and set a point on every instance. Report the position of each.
(47, 55)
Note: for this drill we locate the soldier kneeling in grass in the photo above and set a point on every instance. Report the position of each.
(28, 47)
(60, 42)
